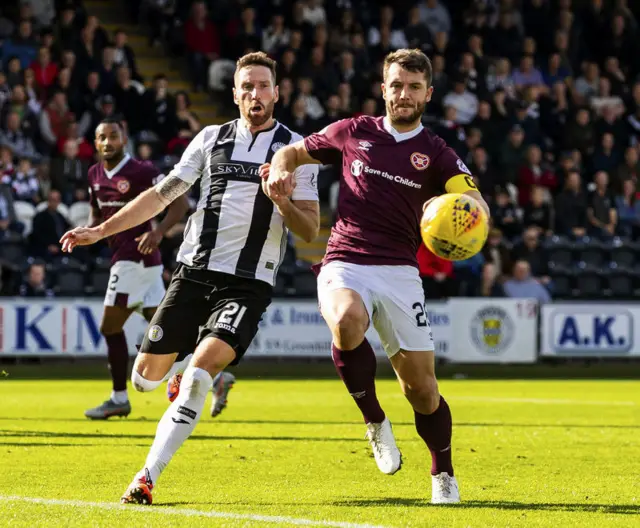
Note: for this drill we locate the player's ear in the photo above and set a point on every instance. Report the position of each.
(383, 87)
(276, 94)
(429, 94)
(235, 96)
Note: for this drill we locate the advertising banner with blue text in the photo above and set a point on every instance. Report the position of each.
(72, 327)
(590, 330)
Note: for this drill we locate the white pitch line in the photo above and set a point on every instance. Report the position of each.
(183, 512)
(542, 401)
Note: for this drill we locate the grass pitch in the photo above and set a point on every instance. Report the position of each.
(291, 452)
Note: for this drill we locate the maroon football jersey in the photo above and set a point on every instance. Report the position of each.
(110, 191)
(387, 176)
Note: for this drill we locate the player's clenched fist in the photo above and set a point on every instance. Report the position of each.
(80, 236)
(277, 185)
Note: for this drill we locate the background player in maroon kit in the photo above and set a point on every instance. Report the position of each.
(391, 167)
(135, 282)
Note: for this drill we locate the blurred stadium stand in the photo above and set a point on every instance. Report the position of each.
(546, 116)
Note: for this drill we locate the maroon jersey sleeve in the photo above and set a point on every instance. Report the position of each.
(326, 146)
(448, 164)
(93, 199)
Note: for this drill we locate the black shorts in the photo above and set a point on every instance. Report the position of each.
(202, 303)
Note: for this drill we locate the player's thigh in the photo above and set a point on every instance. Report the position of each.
(176, 323)
(113, 319)
(236, 313)
(344, 298)
(401, 317)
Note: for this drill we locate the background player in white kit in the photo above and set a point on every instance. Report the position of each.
(391, 167)
(135, 281)
(229, 259)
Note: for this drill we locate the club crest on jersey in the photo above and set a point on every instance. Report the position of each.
(365, 145)
(277, 146)
(420, 161)
(123, 186)
(356, 167)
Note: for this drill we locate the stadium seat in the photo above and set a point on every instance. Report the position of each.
(98, 282)
(304, 284)
(559, 250)
(591, 251)
(624, 253)
(590, 282)
(25, 212)
(70, 282)
(79, 213)
(12, 251)
(280, 286)
(563, 281)
(620, 282)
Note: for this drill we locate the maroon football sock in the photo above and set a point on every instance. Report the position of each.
(435, 430)
(357, 368)
(118, 360)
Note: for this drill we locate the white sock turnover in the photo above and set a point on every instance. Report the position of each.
(179, 420)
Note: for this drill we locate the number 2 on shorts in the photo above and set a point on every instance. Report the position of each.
(421, 317)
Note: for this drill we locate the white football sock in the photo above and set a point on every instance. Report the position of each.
(179, 420)
(178, 366)
(119, 397)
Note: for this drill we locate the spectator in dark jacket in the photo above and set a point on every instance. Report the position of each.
(48, 227)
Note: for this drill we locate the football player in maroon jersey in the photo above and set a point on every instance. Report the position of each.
(391, 167)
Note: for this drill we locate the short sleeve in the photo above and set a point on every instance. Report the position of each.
(451, 169)
(326, 146)
(191, 164)
(92, 194)
(306, 183)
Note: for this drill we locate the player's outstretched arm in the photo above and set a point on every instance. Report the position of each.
(147, 205)
(281, 180)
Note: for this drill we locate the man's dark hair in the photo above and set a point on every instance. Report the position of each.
(257, 58)
(112, 121)
(412, 60)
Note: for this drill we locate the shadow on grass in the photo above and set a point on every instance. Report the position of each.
(623, 509)
(319, 422)
(51, 434)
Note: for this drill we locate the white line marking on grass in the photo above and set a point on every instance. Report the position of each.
(182, 512)
(542, 401)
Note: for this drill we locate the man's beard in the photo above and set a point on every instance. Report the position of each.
(397, 119)
(259, 119)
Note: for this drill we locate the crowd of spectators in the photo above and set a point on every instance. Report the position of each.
(541, 98)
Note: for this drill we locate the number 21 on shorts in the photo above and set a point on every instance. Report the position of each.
(230, 316)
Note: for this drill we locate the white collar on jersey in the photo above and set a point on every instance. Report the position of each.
(400, 136)
(111, 173)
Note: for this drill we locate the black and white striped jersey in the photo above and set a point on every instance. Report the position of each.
(236, 229)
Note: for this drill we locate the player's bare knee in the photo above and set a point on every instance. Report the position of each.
(423, 394)
(350, 325)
